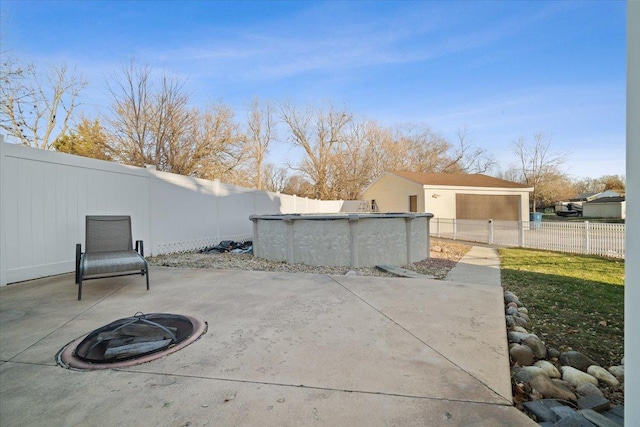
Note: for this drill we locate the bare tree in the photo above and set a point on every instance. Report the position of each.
(417, 148)
(597, 185)
(465, 158)
(300, 186)
(274, 178)
(556, 186)
(366, 150)
(319, 132)
(172, 124)
(219, 146)
(588, 185)
(155, 125)
(537, 163)
(261, 131)
(383, 151)
(355, 161)
(613, 182)
(131, 114)
(512, 174)
(36, 108)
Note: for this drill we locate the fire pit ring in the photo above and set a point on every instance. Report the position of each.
(131, 341)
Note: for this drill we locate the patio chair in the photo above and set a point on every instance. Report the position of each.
(109, 251)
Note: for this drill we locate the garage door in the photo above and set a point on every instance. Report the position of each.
(475, 206)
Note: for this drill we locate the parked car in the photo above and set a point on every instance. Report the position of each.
(569, 208)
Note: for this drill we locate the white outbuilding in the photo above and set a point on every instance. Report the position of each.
(606, 207)
(449, 195)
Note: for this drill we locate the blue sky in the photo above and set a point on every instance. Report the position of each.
(500, 69)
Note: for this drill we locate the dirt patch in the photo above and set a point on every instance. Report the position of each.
(444, 256)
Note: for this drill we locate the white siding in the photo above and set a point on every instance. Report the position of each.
(605, 210)
(392, 192)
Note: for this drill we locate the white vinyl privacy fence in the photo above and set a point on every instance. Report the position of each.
(45, 196)
(589, 238)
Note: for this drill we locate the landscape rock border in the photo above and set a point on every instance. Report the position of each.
(557, 388)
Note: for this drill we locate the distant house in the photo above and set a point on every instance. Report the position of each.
(606, 207)
(577, 205)
(460, 196)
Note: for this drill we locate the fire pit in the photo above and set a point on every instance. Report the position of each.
(131, 341)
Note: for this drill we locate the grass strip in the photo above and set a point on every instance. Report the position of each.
(574, 301)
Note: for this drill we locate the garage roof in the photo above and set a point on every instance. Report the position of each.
(458, 180)
(607, 200)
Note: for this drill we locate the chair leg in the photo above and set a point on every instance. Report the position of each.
(78, 257)
(80, 287)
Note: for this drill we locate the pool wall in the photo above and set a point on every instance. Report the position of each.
(355, 240)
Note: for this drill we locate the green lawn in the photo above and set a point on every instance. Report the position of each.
(574, 301)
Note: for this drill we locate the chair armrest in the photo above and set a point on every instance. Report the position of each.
(140, 247)
(78, 256)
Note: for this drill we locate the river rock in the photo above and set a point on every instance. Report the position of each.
(576, 377)
(526, 373)
(512, 304)
(523, 316)
(519, 321)
(552, 353)
(511, 297)
(617, 371)
(549, 389)
(511, 311)
(576, 360)
(522, 355)
(510, 321)
(520, 329)
(563, 383)
(516, 337)
(549, 369)
(523, 310)
(588, 389)
(535, 344)
(602, 375)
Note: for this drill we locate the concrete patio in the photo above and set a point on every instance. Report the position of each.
(281, 349)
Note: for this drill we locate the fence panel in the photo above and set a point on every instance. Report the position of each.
(45, 195)
(607, 239)
(184, 213)
(575, 237)
(45, 198)
(507, 233)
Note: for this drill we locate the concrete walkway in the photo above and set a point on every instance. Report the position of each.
(281, 349)
(480, 266)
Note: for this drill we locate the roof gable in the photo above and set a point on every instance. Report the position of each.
(459, 180)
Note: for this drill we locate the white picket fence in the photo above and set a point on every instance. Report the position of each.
(589, 238)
